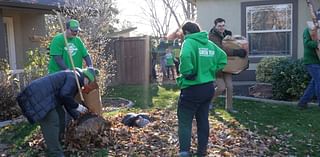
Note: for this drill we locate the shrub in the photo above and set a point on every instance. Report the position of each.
(289, 79)
(37, 64)
(265, 68)
(8, 106)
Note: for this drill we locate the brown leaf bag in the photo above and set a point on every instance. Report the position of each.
(236, 64)
(92, 98)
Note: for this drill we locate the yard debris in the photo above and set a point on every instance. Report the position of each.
(87, 131)
(159, 138)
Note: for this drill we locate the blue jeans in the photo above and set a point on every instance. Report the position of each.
(194, 102)
(314, 84)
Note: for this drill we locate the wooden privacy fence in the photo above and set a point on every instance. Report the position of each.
(132, 55)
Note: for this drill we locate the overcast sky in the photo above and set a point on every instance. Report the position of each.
(130, 10)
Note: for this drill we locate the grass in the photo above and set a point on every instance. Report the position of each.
(298, 130)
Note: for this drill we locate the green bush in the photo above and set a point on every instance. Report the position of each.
(289, 79)
(8, 90)
(37, 64)
(265, 68)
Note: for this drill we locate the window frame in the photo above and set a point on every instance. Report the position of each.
(294, 40)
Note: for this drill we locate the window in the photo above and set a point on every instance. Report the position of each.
(269, 29)
(10, 51)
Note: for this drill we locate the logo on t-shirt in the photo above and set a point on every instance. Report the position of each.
(205, 52)
(72, 49)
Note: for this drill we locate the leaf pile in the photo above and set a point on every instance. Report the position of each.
(159, 138)
(89, 130)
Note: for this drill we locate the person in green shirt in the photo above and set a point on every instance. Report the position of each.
(200, 60)
(176, 52)
(169, 63)
(59, 57)
(312, 64)
(59, 61)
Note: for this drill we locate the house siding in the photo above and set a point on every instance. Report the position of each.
(26, 23)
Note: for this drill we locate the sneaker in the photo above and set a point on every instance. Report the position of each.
(302, 106)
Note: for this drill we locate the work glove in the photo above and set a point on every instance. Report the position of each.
(240, 53)
(82, 109)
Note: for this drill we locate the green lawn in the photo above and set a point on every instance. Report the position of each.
(296, 131)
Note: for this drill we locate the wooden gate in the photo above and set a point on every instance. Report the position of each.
(132, 55)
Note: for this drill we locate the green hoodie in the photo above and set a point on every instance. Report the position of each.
(202, 57)
(310, 46)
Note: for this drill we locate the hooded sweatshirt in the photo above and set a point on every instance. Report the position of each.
(199, 57)
(310, 46)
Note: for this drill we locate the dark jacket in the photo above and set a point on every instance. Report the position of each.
(44, 94)
(217, 37)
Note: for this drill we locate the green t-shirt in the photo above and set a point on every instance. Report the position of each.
(57, 47)
(169, 59)
(176, 52)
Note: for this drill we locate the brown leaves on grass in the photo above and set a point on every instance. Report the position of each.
(159, 138)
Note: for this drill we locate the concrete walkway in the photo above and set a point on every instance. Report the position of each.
(13, 121)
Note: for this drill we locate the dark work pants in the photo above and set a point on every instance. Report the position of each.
(194, 102)
(52, 126)
(313, 88)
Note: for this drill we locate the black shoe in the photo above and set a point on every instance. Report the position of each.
(302, 106)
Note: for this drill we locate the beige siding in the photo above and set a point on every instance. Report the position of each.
(26, 24)
(230, 10)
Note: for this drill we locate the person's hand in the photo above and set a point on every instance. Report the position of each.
(228, 37)
(82, 109)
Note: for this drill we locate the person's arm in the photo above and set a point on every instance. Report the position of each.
(186, 67)
(56, 51)
(88, 61)
(67, 94)
(60, 62)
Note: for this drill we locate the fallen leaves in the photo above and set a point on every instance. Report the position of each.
(159, 138)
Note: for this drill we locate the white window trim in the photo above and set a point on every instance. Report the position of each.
(270, 31)
(11, 44)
